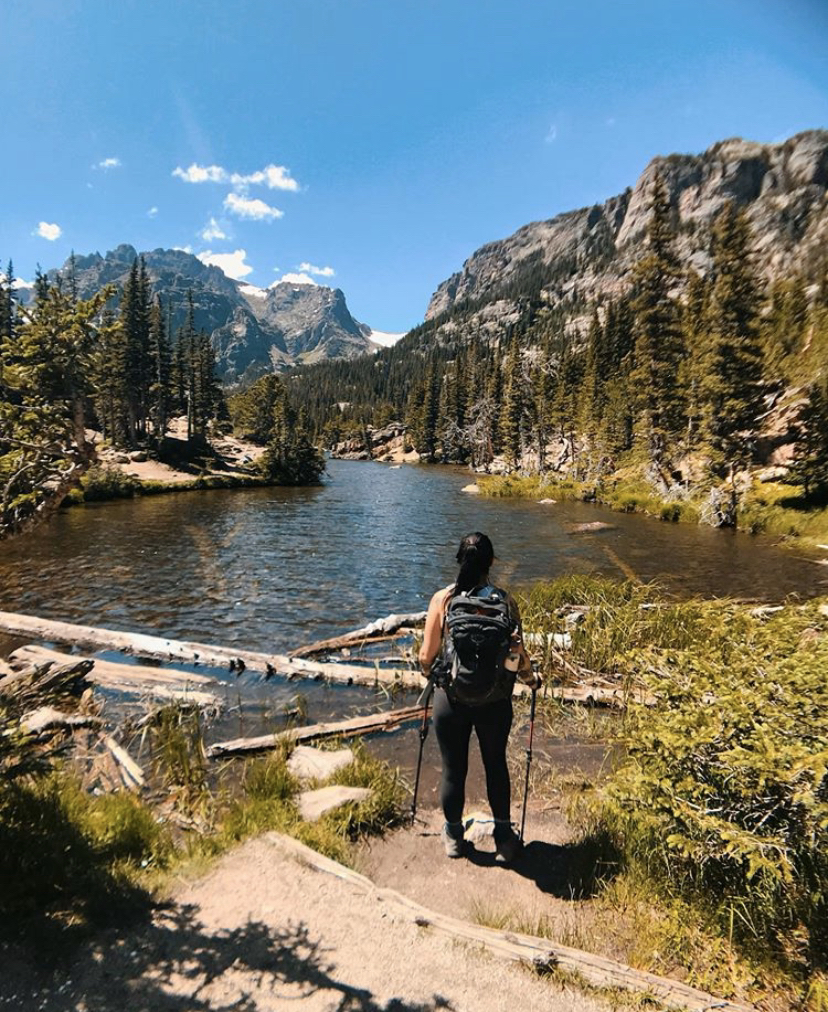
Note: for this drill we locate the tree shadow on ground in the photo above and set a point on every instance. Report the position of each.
(175, 964)
(569, 871)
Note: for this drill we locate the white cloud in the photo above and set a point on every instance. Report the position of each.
(20, 284)
(202, 174)
(249, 207)
(47, 231)
(322, 272)
(294, 279)
(152, 212)
(212, 230)
(552, 134)
(183, 249)
(233, 264)
(108, 163)
(274, 177)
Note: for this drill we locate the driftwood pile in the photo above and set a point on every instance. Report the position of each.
(51, 703)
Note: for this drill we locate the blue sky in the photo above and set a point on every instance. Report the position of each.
(379, 143)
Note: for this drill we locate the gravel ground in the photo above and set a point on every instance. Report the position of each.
(262, 932)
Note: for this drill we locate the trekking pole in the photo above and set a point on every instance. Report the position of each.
(425, 696)
(528, 761)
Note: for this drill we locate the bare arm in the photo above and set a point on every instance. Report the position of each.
(433, 635)
(525, 672)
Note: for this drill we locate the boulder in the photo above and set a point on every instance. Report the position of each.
(309, 763)
(314, 804)
(595, 525)
(471, 489)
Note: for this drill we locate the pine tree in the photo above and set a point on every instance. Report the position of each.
(427, 447)
(43, 445)
(108, 379)
(810, 465)
(511, 424)
(539, 405)
(784, 326)
(135, 315)
(8, 305)
(732, 388)
(565, 400)
(161, 357)
(290, 458)
(493, 386)
(8, 321)
(206, 390)
(593, 388)
(658, 344)
(185, 360)
(696, 364)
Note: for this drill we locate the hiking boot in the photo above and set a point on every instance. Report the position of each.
(507, 843)
(452, 836)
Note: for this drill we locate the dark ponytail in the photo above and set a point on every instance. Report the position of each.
(475, 556)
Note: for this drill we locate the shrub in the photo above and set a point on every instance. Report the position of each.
(101, 483)
(724, 792)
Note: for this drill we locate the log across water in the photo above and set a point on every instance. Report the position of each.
(166, 649)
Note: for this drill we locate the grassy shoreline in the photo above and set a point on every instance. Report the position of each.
(769, 508)
(108, 485)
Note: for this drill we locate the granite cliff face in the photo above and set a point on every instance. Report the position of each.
(782, 187)
(253, 330)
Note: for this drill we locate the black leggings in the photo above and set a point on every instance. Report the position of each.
(453, 723)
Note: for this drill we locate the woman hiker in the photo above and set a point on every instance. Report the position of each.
(473, 642)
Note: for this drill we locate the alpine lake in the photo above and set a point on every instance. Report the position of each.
(273, 569)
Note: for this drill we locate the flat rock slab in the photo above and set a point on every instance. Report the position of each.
(309, 763)
(314, 804)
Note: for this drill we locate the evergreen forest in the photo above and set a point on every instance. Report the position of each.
(108, 370)
(675, 375)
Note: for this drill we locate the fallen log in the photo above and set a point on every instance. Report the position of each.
(44, 675)
(538, 953)
(164, 649)
(382, 629)
(385, 721)
(47, 718)
(159, 648)
(129, 678)
(131, 773)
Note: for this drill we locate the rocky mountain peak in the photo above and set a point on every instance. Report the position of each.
(253, 330)
(782, 188)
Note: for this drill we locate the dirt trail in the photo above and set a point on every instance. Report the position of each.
(544, 886)
(261, 932)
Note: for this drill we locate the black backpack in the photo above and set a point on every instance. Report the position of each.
(477, 637)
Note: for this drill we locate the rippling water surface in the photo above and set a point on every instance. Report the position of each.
(273, 568)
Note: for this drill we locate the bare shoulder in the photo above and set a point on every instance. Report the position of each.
(440, 598)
